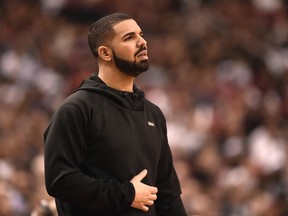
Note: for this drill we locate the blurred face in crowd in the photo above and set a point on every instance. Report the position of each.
(129, 48)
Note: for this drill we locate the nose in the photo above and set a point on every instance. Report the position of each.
(141, 42)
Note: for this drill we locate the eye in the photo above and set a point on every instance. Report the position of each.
(128, 37)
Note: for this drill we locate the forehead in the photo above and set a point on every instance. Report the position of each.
(125, 27)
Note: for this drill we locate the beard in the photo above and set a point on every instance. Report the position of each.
(131, 68)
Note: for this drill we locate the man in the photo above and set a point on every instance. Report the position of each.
(106, 148)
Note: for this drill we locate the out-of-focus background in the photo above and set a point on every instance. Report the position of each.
(219, 72)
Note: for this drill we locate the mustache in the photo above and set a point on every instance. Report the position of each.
(140, 50)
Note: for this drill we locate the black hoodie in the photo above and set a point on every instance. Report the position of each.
(96, 142)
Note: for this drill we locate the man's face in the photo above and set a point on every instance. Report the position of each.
(129, 48)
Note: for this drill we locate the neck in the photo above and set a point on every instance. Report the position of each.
(116, 79)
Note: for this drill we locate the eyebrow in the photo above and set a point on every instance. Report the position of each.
(131, 33)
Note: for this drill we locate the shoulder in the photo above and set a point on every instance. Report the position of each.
(80, 102)
(83, 98)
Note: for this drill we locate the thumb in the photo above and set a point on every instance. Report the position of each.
(141, 175)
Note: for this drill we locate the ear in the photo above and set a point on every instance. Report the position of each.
(105, 53)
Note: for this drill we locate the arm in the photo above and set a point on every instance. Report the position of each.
(65, 146)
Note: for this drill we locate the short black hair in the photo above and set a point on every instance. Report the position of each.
(102, 30)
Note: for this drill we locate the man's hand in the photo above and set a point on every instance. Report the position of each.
(145, 195)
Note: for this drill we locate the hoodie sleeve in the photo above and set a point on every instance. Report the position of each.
(65, 146)
(169, 202)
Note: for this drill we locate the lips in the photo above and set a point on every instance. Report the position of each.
(143, 53)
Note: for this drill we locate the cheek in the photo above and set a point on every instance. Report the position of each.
(125, 52)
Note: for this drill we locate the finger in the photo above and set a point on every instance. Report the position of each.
(141, 175)
(150, 202)
(145, 208)
(153, 190)
(152, 197)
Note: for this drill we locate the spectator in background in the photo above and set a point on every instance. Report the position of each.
(45, 208)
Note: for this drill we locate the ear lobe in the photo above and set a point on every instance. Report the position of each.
(104, 53)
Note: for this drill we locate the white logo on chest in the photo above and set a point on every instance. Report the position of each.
(150, 123)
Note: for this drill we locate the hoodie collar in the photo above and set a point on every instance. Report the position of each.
(131, 100)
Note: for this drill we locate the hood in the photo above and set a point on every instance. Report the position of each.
(131, 100)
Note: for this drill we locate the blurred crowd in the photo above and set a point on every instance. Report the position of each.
(218, 70)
